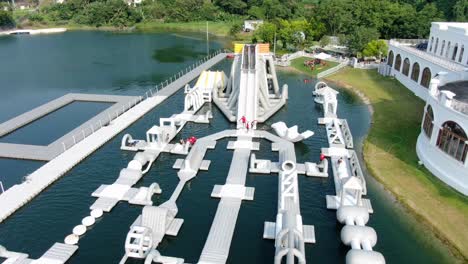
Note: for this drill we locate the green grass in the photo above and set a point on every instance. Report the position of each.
(390, 155)
(299, 65)
(216, 28)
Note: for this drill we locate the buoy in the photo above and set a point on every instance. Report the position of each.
(88, 221)
(79, 230)
(71, 239)
(96, 213)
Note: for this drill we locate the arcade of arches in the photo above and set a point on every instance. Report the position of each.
(395, 62)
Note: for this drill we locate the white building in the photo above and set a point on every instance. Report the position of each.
(438, 75)
(251, 25)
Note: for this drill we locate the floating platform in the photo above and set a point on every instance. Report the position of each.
(18, 195)
(46, 153)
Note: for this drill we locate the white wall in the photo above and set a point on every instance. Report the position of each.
(442, 165)
(456, 34)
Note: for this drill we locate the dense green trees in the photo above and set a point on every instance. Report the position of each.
(295, 22)
(375, 48)
(6, 20)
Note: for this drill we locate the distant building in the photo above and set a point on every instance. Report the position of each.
(251, 25)
(438, 74)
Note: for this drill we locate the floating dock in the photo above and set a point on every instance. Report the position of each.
(18, 195)
(46, 153)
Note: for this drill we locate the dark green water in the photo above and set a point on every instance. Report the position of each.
(127, 65)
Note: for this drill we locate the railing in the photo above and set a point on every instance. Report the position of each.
(450, 65)
(332, 70)
(112, 115)
(412, 42)
(460, 106)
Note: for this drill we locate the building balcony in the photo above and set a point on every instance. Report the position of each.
(429, 57)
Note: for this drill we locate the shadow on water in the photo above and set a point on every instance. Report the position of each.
(177, 54)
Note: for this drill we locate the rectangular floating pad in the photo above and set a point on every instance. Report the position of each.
(205, 165)
(243, 144)
(269, 230)
(178, 164)
(275, 146)
(335, 152)
(333, 203)
(174, 227)
(105, 204)
(309, 233)
(58, 253)
(23, 261)
(300, 168)
(233, 191)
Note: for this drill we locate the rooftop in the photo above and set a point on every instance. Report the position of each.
(461, 28)
(445, 25)
(459, 88)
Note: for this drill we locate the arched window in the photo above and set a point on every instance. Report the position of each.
(426, 77)
(398, 62)
(415, 72)
(406, 65)
(436, 45)
(452, 140)
(442, 49)
(390, 58)
(428, 124)
(455, 50)
(432, 42)
(462, 50)
(448, 50)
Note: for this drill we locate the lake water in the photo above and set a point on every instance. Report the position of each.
(37, 69)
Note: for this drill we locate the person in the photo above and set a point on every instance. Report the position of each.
(243, 120)
(322, 157)
(252, 124)
(247, 126)
(182, 141)
(192, 140)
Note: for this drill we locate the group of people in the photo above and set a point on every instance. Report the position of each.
(191, 140)
(247, 125)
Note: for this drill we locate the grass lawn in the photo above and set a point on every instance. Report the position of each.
(390, 155)
(299, 65)
(216, 28)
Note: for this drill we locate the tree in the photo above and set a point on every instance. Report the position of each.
(235, 29)
(266, 32)
(375, 48)
(460, 11)
(6, 20)
(256, 12)
(285, 32)
(324, 41)
(232, 6)
(360, 36)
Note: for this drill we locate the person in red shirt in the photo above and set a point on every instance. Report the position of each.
(243, 120)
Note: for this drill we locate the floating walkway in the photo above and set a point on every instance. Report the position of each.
(216, 249)
(46, 153)
(350, 185)
(18, 195)
(59, 253)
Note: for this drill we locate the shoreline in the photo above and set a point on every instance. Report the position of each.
(454, 250)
